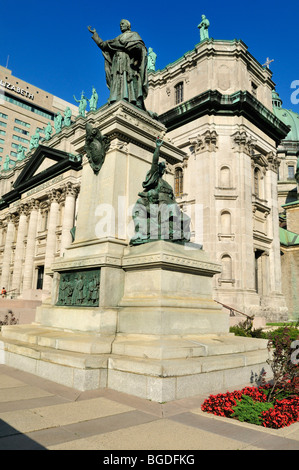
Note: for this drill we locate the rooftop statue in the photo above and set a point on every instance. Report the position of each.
(21, 153)
(82, 104)
(125, 65)
(203, 28)
(156, 214)
(58, 122)
(67, 116)
(151, 60)
(48, 131)
(34, 141)
(6, 163)
(93, 102)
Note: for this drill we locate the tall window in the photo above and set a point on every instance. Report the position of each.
(291, 172)
(178, 182)
(257, 177)
(179, 93)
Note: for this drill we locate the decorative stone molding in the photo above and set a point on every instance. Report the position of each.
(54, 195)
(208, 141)
(273, 160)
(243, 142)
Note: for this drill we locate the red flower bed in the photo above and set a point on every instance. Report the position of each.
(283, 413)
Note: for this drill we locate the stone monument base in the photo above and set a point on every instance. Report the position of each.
(170, 340)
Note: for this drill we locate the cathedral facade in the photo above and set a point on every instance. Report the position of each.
(216, 105)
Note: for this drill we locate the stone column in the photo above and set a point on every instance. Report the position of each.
(54, 197)
(22, 227)
(70, 193)
(7, 251)
(30, 248)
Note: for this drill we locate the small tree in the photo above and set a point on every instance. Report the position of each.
(285, 370)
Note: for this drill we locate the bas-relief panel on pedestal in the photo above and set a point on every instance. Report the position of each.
(79, 288)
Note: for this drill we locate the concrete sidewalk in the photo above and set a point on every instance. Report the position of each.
(36, 414)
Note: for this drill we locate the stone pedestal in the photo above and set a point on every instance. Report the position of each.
(153, 329)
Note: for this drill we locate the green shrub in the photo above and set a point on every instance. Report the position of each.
(248, 410)
(245, 328)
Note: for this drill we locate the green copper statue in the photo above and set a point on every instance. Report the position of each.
(21, 153)
(6, 163)
(151, 60)
(82, 104)
(67, 116)
(48, 131)
(93, 102)
(96, 146)
(203, 28)
(156, 214)
(34, 141)
(125, 65)
(58, 122)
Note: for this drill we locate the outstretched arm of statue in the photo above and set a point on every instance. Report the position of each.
(156, 154)
(95, 36)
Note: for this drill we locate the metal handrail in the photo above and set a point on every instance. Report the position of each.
(232, 310)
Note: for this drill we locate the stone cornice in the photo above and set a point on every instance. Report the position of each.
(211, 48)
(212, 102)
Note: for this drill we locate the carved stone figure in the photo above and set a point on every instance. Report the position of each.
(203, 28)
(96, 146)
(156, 214)
(93, 102)
(125, 65)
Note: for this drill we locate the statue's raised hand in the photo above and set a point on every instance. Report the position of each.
(92, 30)
(159, 142)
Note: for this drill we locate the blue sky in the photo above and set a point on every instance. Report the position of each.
(48, 44)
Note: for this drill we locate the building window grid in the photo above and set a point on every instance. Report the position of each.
(28, 107)
(22, 123)
(3, 124)
(20, 139)
(4, 116)
(22, 131)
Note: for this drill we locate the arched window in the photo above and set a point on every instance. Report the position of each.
(179, 92)
(225, 178)
(178, 182)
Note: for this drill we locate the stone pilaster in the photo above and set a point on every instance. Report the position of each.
(70, 194)
(19, 251)
(54, 198)
(7, 251)
(33, 208)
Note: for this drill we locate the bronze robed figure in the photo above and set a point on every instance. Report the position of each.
(125, 65)
(156, 214)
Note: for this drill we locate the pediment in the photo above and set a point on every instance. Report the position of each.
(44, 164)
